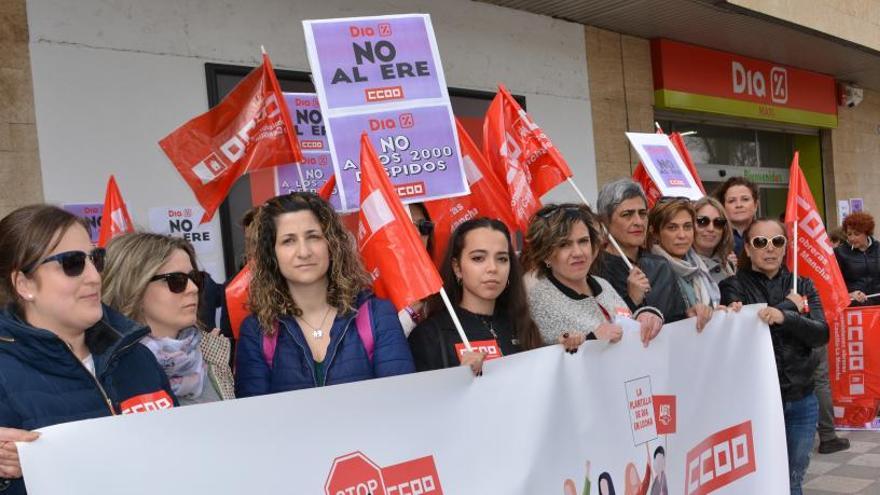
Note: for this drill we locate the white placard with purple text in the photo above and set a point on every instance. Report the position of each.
(383, 76)
(664, 165)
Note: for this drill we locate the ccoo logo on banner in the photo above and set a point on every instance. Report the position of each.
(356, 474)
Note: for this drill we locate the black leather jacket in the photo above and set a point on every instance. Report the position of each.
(664, 295)
(861, 270)
(793, 339)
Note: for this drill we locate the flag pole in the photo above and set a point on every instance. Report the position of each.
(282, 103)
(455, 321)
(794, 251)
(611, 238)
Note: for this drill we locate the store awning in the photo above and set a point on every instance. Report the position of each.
(722, 26)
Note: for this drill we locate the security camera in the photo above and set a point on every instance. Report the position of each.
(850, 96)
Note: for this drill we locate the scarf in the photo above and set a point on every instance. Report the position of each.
(182, 361)
(695, 274)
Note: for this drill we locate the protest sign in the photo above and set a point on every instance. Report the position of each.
(664, 165)
(382, 75)
(91, 213)
(183, 222)
(528, 426)
(854, 365)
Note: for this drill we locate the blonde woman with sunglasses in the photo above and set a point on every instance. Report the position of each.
(797, 326)
(63, 357)
(713, 238)
(153, 279)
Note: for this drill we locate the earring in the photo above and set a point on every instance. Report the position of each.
(547, 263)
(29, 297)
(458, 280)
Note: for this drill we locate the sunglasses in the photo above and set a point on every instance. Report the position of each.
(718, 222)
(761, 242)
(425, 227)
(177, 281)
(553, 209)
(73, 262)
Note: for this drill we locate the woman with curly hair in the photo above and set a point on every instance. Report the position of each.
(313, 321)
(859, 259)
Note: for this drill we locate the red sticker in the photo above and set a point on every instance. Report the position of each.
(488, 347)
(147, 402)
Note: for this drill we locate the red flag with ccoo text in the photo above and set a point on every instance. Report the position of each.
(488, 197)
(816, 259)
(389, 244)
(521, 156)
(249, 130)
(115, 219)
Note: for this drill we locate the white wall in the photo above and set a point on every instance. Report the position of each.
(111, 78)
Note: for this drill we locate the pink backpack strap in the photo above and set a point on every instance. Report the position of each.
(364, 325)
(269, 343)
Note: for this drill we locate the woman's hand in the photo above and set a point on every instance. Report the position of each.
(475, 360)
(797, 299)
(771, 316)
(858, 296)
(735, 306)
(10, 466)
(637, 285)
(610, 332)
(703, 314)
(649, 326)
(572, 340)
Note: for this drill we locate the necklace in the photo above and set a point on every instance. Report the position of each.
(489, 324)
(317, 331)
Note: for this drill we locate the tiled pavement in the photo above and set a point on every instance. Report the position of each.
(853, 471)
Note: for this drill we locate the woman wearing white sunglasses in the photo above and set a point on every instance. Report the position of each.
(797, 326)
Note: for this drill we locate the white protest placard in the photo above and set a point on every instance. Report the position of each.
(183, 222)
(382, 75)
(527, 426)
(664, 165)
(641, 410)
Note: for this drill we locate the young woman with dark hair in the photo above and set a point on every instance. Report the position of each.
(483, 279)
(306, 294)
(63, 356)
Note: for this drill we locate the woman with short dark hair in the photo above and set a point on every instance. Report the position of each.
(859, 259)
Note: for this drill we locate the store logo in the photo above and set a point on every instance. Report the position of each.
(753, 82)
(720, 459)
(356, 474)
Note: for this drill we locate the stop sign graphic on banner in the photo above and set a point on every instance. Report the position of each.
(354, 474)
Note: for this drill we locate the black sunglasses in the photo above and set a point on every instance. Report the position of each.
(177, 281)
(426, 227)
(718, 222)
(73, 262)
(761, 242)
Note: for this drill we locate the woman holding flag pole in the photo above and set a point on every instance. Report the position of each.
(483, 279)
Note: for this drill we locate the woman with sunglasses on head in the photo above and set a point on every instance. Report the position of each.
(713, 238)
(413, 315)
(797, 326)
(153, 279)
(568, 304)
(63, 356)
(313, 321)
(671, 236)
(484, 282)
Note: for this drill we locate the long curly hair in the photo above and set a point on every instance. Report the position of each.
(550, 227)
(512, 302)
(270, 297)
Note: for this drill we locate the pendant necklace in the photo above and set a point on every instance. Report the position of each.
(317, 331)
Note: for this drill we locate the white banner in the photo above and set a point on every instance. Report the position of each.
(541, 422)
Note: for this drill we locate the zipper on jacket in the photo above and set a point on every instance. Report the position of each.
(308, 352)
(335, 350)
(94, 379)
(8, 340)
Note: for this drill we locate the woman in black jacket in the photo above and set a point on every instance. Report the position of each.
(484, 281)
(797, 326)
(859, 259)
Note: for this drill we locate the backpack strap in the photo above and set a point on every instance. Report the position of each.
(363, 322)
(269, 343)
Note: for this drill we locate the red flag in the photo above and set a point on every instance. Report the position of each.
(509, 144)
(488, 197)
(815, 255)
(327, 189)
(388, 241)
(237, 296)
(250, 129)
(642, 176)
(115, 219)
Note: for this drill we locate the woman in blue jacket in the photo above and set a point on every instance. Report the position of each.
(63, 357)
(313, 322)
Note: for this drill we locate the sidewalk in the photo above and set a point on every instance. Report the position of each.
(855, 471)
